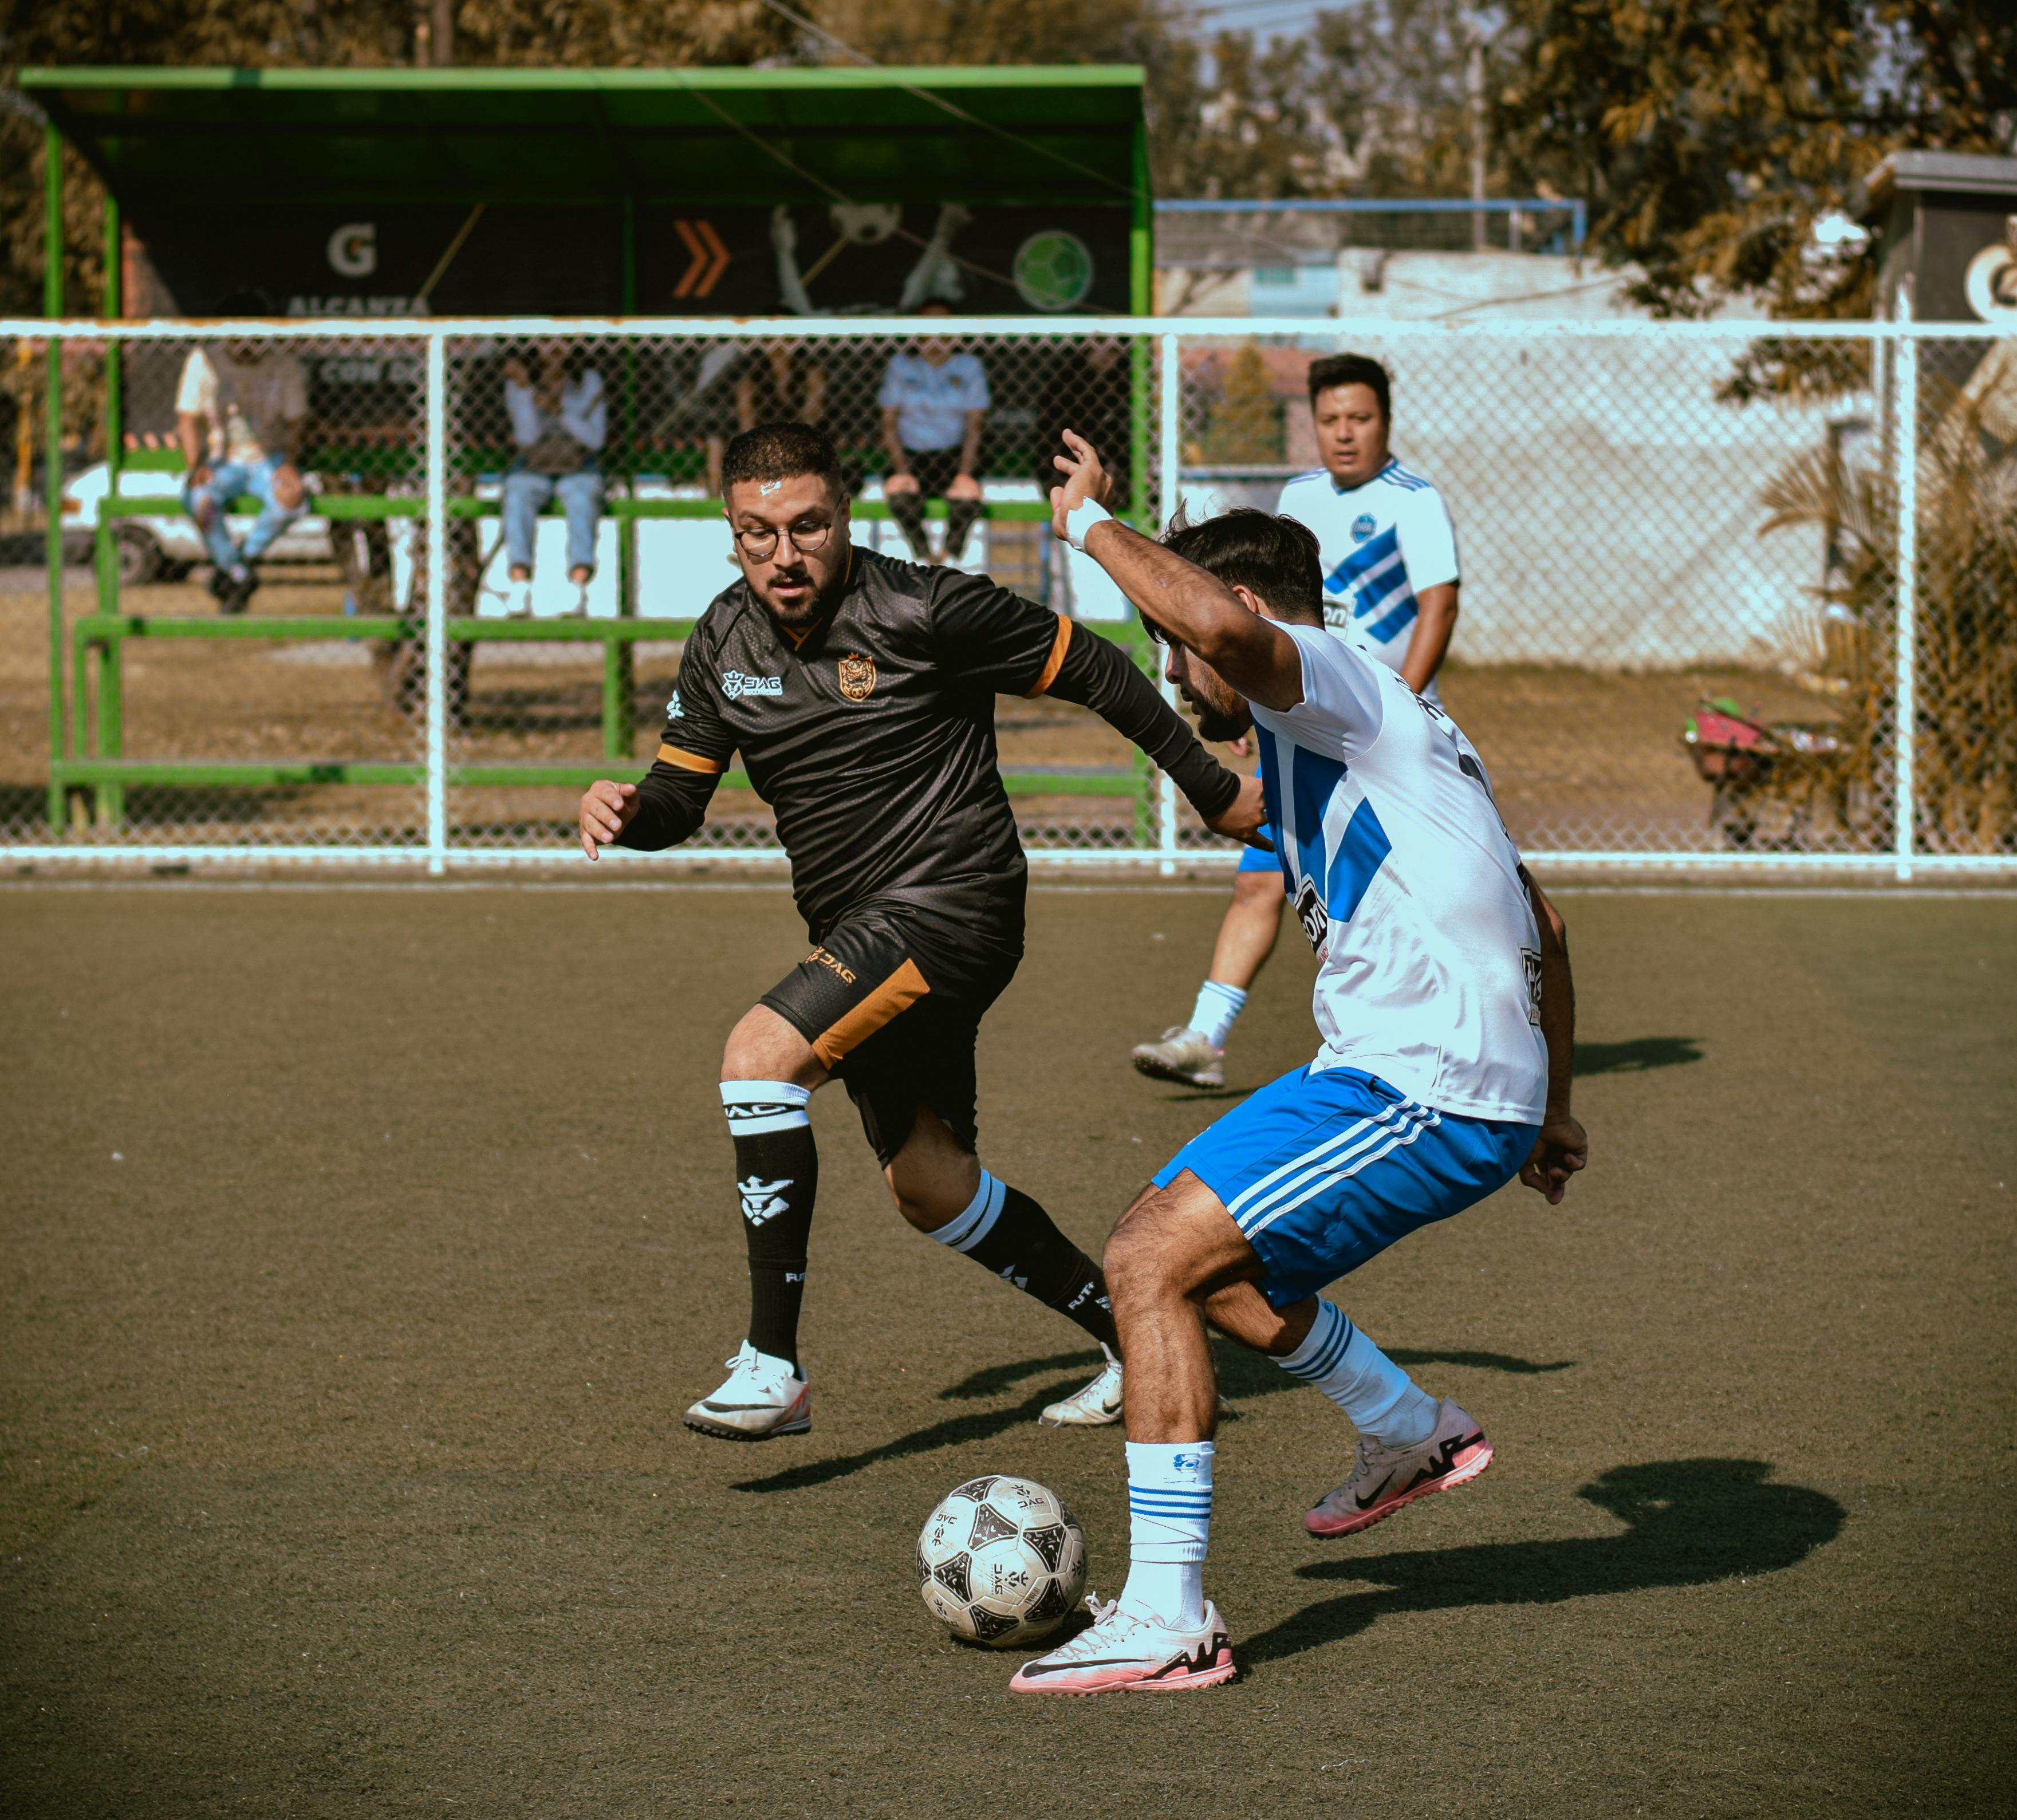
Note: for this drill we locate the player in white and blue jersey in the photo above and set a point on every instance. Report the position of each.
(1446, 1009)
(1388, 551)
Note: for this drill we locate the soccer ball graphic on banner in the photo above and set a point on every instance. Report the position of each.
(1002, 1560)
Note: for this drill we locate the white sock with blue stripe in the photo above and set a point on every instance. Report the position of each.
(1218, 1005)
(1169, 1512)
(1381, 1399)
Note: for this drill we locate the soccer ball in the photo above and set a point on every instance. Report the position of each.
(1002, 1562)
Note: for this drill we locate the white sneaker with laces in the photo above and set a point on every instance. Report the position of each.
(1127, 1650)
(1096, 1405)
(759, 1398)
(1184, 1055)
(520, 600)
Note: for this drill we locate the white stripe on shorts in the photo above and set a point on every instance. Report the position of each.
(1326, 1159)
(1398, 1141)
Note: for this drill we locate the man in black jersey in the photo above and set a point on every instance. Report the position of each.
(860, 693)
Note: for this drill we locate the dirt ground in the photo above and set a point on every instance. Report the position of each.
(362, 1247)
(1580, 759)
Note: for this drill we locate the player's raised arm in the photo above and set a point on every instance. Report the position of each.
(996, 638)
(1197, 610)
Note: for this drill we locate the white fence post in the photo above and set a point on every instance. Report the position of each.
(1905, 444)
(1171, 497)
(438, 562)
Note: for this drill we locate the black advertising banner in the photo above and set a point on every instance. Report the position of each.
(879, 258)
(523, 260)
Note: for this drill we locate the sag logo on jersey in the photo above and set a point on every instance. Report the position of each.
(761, 1199)
(1532, 962)
(1362, 527)
(858, 677)
(735, 684)
(673, 710)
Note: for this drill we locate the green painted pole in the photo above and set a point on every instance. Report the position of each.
(110, 798)
(52, 450)
(1141, 302)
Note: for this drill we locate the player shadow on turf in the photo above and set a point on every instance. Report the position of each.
(957, 1431)
(994, 1378)
(1636, 1057)
(1690, 1521)
(1506, 1361)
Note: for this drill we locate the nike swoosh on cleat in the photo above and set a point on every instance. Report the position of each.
(1066, 1667)
(724, 1407)
(1365, 1503)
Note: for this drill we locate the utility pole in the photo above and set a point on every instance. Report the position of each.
(1474, 86)
(443, 48)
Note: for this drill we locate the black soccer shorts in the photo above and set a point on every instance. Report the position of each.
(892, 1002)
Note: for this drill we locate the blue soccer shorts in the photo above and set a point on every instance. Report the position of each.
(1322, 1169)
(1253, 860)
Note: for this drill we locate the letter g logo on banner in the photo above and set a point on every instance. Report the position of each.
(353, 249)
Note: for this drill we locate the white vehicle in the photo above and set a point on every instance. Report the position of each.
(165, 547)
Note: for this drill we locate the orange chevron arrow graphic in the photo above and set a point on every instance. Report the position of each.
(710, 258)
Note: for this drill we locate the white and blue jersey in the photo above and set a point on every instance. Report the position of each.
(1380, 545)
(1433, 1074)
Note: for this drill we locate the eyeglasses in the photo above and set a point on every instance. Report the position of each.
(806, 539)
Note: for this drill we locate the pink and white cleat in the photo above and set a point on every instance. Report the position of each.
(1125, 1651)
(1387, 1478)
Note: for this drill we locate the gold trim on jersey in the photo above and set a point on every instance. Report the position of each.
(1055, 663)
(712, 767)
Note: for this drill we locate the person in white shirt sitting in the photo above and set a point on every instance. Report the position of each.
(239, 409)
(559, 421)
(934, 405)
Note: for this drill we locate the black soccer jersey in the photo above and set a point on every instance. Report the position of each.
(871, 736)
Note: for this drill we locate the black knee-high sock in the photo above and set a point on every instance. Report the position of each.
(1008, 1232)
(776, 1176)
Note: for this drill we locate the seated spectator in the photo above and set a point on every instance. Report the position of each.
(780, 383)
(239, 409)
(559, 421)
(934, 405)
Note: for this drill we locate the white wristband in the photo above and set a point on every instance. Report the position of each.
(1081, 519)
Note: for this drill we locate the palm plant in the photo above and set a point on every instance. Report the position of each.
(1965, 746)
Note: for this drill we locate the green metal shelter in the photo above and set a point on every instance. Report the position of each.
(613, 157)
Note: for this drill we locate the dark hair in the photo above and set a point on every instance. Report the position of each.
(248, 300)
(1276, 557)
(1353, 369)
(780, 452)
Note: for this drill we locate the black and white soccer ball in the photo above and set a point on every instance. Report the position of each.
(1002, 1562)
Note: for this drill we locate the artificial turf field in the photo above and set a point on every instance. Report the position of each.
(362, 1248)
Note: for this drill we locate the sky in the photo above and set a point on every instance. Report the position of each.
(1265, 18)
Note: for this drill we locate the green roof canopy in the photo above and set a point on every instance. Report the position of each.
(693, 137)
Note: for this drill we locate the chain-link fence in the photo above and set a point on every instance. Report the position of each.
(1681, 641)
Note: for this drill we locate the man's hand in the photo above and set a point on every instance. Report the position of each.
(606, 811)
(514, 370)
(1243, 816)
(899, 480)
(288, 490)
(1561, 1149)
(964, 486)
(1085, 479)
(198, 475)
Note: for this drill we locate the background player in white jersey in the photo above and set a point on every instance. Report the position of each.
(1443, 1001)
(1389, 586)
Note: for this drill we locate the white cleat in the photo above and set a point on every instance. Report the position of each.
(760, 1398)
(1184, 1055)
(1126, 1650)
(1093, 1407)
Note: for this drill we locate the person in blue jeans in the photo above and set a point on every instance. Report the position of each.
(240, 410)
(559, 420)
